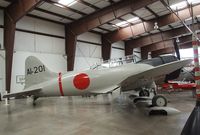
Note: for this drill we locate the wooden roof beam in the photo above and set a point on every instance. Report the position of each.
(147, 26)
(158, 37)
(107, 14)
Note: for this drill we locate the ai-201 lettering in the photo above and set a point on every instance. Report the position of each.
(35, 70)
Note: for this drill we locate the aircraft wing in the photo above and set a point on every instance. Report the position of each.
(157, 71)
(23, 93)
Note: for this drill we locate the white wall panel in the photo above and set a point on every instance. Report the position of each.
(50, 28)
(95, 51)
(56, 63)
(38, 43)
(137, 53)
(44, 44)
(2, 71)
(24, 41)
(26, 23)
(84, 63)
(58, 46)
(88, 50)
(38, 25)
(50, 44)
(91, 37)
(2, 56)
(119, 44)
(1, 37)
(87, 54)
(117, 53)
(82, 49)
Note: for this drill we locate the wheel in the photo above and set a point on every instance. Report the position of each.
(159, 100)
(144, 93)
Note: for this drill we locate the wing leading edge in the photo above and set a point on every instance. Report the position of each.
(157, 71)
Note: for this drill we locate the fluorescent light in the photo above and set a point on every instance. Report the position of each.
(72, 3)
(179, 5)
(133, 20)
(193, 1)
(125, 23)
(58, 5)
(67, 2)
(122, 24)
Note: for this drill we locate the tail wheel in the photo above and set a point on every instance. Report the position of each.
(159, 101)
(144, 93)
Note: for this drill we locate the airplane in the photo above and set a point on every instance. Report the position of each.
(41, 82)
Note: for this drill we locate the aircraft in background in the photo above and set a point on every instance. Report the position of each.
(41, 82)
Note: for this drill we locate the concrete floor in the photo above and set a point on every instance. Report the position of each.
(94, 116)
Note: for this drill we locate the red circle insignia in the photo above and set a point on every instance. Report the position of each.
(81, 81)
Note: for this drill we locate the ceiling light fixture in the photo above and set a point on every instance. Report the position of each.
(67, 2)
(155, 26)
(179, 5)
(133, 20)
(193, 1)
(122, 24)
(177, 40)
(125, 23)
(59, 5)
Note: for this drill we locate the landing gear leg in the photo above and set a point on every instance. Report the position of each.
(154, 91)
(34, 100)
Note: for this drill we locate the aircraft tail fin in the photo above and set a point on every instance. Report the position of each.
(36, 72)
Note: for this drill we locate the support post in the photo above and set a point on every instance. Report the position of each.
(9, 37)
(15, 11)
(70, 47)
(177, 49)
(128, 49)
(106, 49)
(144, 54)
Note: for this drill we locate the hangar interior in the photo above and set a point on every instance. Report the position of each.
(74, 35)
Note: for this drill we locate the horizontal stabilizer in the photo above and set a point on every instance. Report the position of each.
(23, 93)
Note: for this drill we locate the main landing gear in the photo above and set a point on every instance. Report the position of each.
(144, 95)
(34, 100)
(151, 103)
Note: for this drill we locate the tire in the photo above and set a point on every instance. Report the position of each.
(159, 101)
(144, 93)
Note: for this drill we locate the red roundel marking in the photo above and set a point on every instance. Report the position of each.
(81, 81)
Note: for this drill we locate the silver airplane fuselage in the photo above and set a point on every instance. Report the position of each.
(90, 81)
